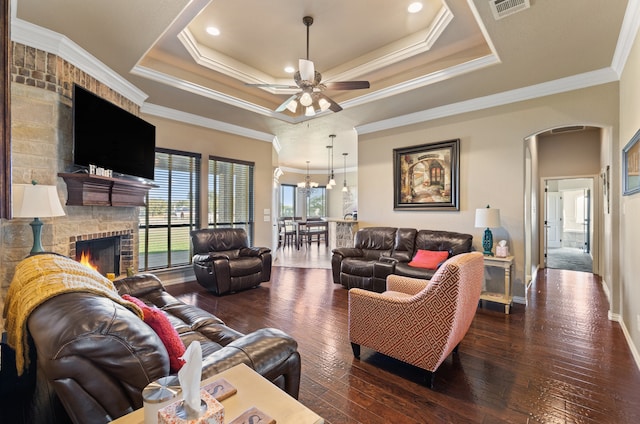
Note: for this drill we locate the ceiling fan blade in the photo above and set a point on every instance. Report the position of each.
(284, 104)
(335, 107)
(307, 70)
(347, 85)
(272, 85)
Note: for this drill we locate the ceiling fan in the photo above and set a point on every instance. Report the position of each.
(310, 83)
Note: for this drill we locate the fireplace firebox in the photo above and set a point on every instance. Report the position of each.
(102, 254)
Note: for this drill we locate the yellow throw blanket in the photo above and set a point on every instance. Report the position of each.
(37, 279)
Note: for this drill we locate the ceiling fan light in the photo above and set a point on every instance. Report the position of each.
(309, 111)
(306, 99)
(324, 104)
(293, 106)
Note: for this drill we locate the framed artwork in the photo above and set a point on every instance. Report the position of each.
(426, 177)
(631, 166)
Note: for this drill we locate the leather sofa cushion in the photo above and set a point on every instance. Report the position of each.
(245, 266)
(404, 269)
(358, 266)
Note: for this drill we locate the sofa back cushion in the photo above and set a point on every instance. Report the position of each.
(375, 241)
(454, 243)
(404, 245)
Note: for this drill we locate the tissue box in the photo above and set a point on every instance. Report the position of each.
(213, 415)
(502, 251)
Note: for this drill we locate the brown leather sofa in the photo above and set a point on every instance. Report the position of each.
(381, 251)
(223, 262)
(97, 355)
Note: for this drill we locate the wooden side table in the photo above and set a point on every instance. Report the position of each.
(505, 297)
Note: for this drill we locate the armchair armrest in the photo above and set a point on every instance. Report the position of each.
(254, 251)
(348, 252)
(388, 260)
(407, 285)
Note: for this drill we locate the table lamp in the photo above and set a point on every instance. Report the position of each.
(36, 201)
(487, 218)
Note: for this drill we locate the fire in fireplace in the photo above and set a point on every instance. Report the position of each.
(101, 254)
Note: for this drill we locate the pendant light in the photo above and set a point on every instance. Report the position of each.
(329, 186)
(344, 185)
(332, 180)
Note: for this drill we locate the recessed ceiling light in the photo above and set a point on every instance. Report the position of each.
(414, 7)
(289, 69)
(213, 31)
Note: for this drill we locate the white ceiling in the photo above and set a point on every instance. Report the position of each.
(450, 57)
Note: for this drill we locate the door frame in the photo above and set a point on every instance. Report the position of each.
(596, 217)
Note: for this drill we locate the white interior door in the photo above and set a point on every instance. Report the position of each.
(553, 220)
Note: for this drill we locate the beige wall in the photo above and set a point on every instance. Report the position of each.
(492, 162)
(569, 154)
(627, 304)
(179, 136)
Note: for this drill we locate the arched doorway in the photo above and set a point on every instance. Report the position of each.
(565, 152)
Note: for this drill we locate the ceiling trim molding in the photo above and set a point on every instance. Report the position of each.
(628, 32)
(50, 41)
(190, 118)
(412, 45)
(226, 65)
(427, 40)
(432, 78)
(200, 90)
(576, 82)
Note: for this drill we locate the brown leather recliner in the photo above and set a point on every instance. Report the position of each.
(98, 356)
(223, 262)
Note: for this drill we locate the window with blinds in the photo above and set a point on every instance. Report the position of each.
(231, 195)
(171, 212)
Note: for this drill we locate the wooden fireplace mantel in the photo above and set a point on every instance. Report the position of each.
(95, 190)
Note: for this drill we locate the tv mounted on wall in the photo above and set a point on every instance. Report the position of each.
(109, 137)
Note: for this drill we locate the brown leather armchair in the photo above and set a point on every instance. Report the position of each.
(223, 262)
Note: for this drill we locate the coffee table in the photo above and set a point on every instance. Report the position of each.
(253, 390)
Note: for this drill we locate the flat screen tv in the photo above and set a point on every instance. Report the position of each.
(108, 136)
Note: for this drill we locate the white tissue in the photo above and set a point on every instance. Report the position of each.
(189, 377)
(502, 243)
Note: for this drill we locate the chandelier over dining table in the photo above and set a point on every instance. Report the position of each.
(307, 185)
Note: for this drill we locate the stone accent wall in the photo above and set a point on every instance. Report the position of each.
(41, 147)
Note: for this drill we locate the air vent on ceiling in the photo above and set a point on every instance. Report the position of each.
(568, 129)
(502, 8)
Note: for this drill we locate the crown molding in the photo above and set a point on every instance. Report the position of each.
(209, 93)
(190, 118)
(432, 78)
(50, 41)
(627, 36)
(576, 82)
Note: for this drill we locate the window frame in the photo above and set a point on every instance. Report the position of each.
(145, 225)
(212, 197)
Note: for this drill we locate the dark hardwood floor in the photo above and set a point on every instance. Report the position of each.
(559, 360)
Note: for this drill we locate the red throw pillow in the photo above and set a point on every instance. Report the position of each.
(159, 322)
(429, 259)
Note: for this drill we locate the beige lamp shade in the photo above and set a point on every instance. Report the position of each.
(487, 218)
(35, 201)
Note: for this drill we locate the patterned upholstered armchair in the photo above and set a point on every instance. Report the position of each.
(419, 321)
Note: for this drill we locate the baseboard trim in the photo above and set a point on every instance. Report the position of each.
(634, 351)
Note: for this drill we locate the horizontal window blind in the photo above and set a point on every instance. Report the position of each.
(231, 194)
(172, 211)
